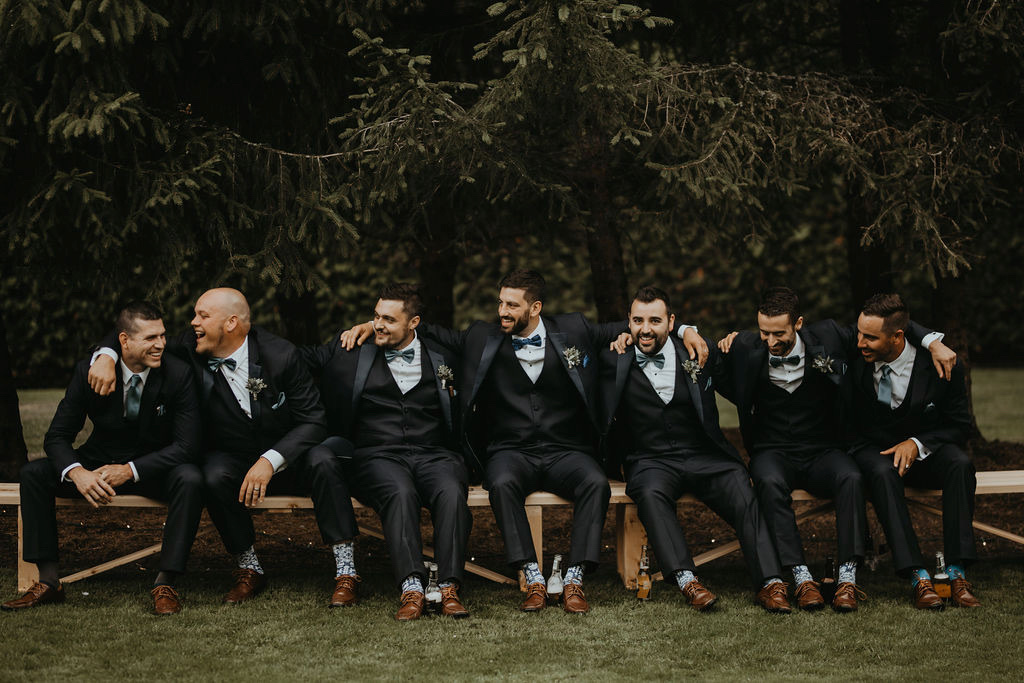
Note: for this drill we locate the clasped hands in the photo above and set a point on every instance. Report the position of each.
(97, 486)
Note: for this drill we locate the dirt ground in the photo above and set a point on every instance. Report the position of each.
(291, 541)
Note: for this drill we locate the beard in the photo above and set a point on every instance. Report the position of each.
(518, 324)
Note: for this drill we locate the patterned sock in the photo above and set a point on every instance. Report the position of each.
(801, 574)
(768, 582)
(344, 558)
(848, 572)
(574, 574)
(445, 584)
(247, 560)
(532, 572)
(955, 571)
(919, 575)
(683, 577)
(412, 583)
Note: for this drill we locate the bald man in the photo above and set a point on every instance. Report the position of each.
(261, 414)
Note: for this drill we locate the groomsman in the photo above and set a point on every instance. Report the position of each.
(661, 420)
(389, 409)
(261, 414)
(145, 435)
(785, 381)
(910, 428)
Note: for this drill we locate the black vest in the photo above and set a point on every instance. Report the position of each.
(519, 413)
(884, 424)
(387, 417)
(228, 428)
(658, 428)
(808, 416)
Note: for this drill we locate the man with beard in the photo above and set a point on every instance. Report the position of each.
(528, 398)
(662, 422)
(261, 415)
(389, 409)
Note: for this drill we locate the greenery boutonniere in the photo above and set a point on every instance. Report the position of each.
(255, 386)
(573, 357)
(823, 364)
(692, 368)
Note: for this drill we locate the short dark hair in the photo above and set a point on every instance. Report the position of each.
(890, 308)
(408, 294)
(649, 293)
(127, 319)
(530, 281)
(779, 300)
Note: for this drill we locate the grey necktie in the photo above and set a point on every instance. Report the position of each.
(885, 387)
(132, 398)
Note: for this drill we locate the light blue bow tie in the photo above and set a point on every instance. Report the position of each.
(406, 355)
(642, 359)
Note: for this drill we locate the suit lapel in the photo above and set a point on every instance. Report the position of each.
(920, 379)
(150, 392)
(367, 354)
(255, 370)
(558, 342)
(486, 358)
(434, 360)
(696, 395)
(755, 363)
(623, 364)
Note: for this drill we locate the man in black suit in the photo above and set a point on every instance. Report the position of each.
(661, 421)
(261, 414)
(145, 436)
(910, 427)
(389, 410)
(785, 381)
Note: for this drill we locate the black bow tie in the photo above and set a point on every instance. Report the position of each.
(215, 363)
(777, 361)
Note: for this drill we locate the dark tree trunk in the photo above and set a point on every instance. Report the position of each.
(870, 266)
(13, 451)
(437, 281)
(607, 269)
(299, 319)
(947, 309)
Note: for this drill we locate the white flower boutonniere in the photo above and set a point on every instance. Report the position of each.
(446, 375)
(255, 386)
(692, 368)
(823, 364)
(573, 357)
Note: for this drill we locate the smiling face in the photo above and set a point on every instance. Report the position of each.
(392, 326)
(221, 322)
(650, 324)
(516, 315)
(143, 346)
(778, 332)
(874, 343)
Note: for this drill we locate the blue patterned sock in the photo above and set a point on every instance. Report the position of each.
(801, 574)
(445, 584)
(344, 558)
(768, 582)
(919, 575)
(412, 583)
(683, 577)
(247, 560)
(848, 572)
(574, 574)
(532, 573)
(955, 571)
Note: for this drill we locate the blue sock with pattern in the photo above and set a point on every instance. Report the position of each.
(768, 582)
(919, 575)
(445, 584)
(412, 583)
(683, 577)
(344, 558)
(955, 571)
(247, 560)
(801, 574)
(574, 574)
(532, 573)
(848, 572)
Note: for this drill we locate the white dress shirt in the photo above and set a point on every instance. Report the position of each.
(789, 377)
(899, 378)
(532, 357)
(662, 379)
(408, 375)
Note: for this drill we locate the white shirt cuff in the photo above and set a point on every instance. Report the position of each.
(135, 472)
(682, 330)
(275, 459)
(105, 351)
(64, 474)
(922, 452)
(929, 338)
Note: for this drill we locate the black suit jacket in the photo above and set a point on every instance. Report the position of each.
(343, 377)
(478, 345)
(166, 434)
(615, 369)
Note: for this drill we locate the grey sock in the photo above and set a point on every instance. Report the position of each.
(247, 560)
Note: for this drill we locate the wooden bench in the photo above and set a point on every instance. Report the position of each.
(629, 532)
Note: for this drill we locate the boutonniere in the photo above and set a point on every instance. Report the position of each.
(446, 375)
(573, 357)
(823, 364)
(692, 368)
(255, 386)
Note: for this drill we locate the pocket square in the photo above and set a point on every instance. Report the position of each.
(586, 360)
(280, 401)
(708, 385)
(161, 410)
(930, 406)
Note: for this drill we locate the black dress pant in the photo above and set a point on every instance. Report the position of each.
(397, 483)
(826, 473)
(656, 482)
(318, 473)
(511, 475)
(947, 468)
(181, 488)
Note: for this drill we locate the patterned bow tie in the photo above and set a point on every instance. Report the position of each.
(406, 355)
(520, 343)
(215, 363)
(777, 361)
(642, 359)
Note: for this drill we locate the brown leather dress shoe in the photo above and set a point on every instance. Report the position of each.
(411, 607)
(39, 594)
(808, 597)
(845, 599)
(248, 584)
(165, 600)
(962, 595)
(925, 596)
(573, 601)
(773, 598)
(451, 606)
(344, 594)
(536, 598)
(700, 597)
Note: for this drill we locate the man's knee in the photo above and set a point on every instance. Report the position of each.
(220, 480)
(185, 477)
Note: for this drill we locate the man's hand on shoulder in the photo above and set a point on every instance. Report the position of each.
(944, 358)
(356, 336)
(91, 486)
(115, 475)
(725, 343)
(696, 345)
(622, 343)
(103, 375)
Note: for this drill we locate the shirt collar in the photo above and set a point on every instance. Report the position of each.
(241, 354)
(903, 363)
(414, 345)
(126, 374)
(539, 330)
